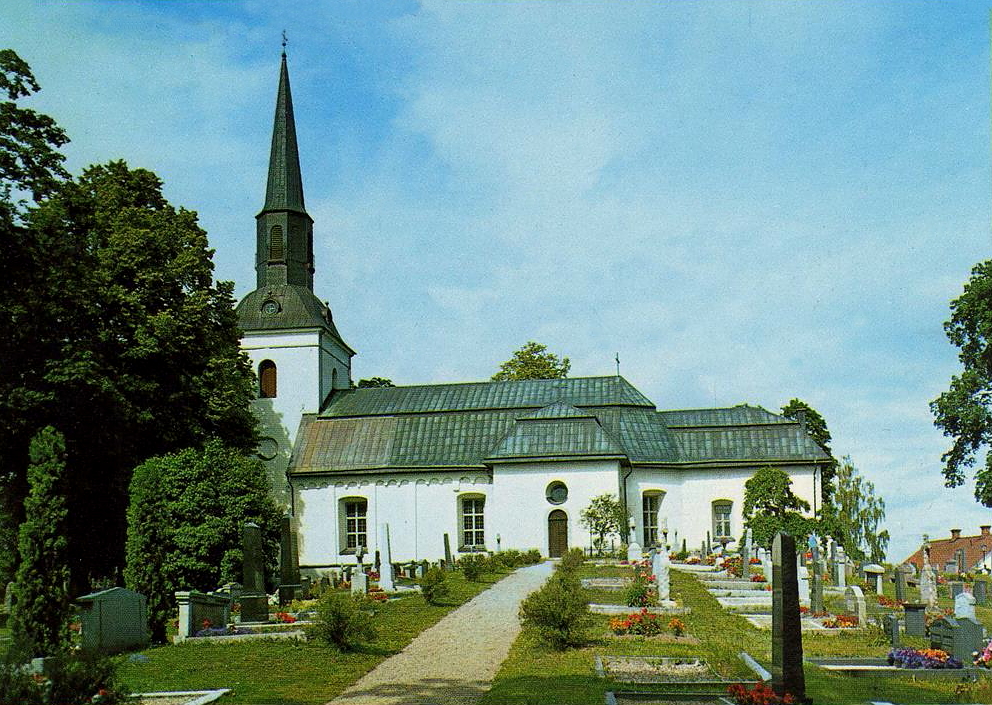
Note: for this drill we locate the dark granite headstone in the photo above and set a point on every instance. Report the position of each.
(915, 618)
(981, 592)
(899, 578)
(254, 601)
(958, 637)
(378, 563)
(787, 638)
(709, 543)
(447, 553)
(890, 624)
(289, 571)
(957, 588)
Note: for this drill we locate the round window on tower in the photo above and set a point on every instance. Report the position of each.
(557, 492)
(268, 448)
(270, 308)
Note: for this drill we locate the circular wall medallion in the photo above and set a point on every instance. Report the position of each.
(557, 492)
(267, 448)
(270, 307)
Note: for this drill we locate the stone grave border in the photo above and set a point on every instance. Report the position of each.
(709, 681)
(197, 697)
(611, 697)
(232, 638)
(854, 667)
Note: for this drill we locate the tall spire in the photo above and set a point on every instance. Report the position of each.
(284, 252)
(284, 190)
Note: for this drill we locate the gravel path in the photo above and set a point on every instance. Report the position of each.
(455, 660)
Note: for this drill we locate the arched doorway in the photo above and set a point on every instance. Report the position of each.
(557, 533)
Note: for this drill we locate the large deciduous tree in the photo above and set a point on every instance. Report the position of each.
(816, 426)
(533, 361)
(115, 332)
(770, 506)
(185, 521)
(964, 411)
(856, 514)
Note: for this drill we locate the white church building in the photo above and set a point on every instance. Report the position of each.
(494, 465)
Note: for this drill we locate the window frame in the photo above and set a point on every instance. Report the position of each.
(477, 518)
(268, 374)
(722, 519)
(650, 523)
(360, 532)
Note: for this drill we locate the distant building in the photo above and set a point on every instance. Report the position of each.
(957, 553)
(492, 464)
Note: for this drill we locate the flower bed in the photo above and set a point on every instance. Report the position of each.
(841, 621)
(230, 630)
(922, 658)
(654, 669)
(984, 659)
(645, 623)
(761, 694)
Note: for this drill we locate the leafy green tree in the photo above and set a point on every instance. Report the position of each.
(964, 411)
(120, 336)
(533, 361)
(40, 612)
(185, 523)
(605, 515)
(856, 514)
(816, 426)
(372, 382)
(770, 506)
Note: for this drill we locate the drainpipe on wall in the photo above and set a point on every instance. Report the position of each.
(626, 509)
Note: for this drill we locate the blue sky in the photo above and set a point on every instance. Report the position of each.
(749, 201)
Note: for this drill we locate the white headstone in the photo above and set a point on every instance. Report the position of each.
(660, 564)
(386, 563)
(802, 573)
(854, 603)
(634, 551)
(359, 583)
(766, 564)
(841, 577)
(964, 606)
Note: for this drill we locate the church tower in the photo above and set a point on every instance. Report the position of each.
(288, 334)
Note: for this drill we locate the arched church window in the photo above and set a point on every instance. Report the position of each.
(267, 380)
(277, 245)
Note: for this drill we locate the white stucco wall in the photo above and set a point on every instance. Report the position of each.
(305, 362)
(521, 507)
(689, 497)
(419, 508)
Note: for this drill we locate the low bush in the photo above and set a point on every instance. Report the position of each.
(572, 559)
(474, 565)
(434, 585)
(73, 680)
(343, 620)
(532, 557)
(559, 611)
(509, 559)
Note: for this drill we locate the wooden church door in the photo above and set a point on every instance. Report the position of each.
(557, 533)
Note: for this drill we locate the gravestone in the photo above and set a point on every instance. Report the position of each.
(660, 565)
(747, 551)
(448, 564)
(802, 578)
(890, 625)
(928, 578)
(787, 637)
(386, 574)
(900, 583)
(915, 618)
(964, 605)
(709, 544)
(306, 584)
(957, 588)
(254, 601)
(840, 568)
(873, 576)
(195, 607)
(816, 589)
(377, 566)
(958, 637)
(981, 592)
(832, 560)
(359, 583)
(113, 620)
(289, 569)
(634, 551)
(766, 565)
(854, 604)
(424, 565)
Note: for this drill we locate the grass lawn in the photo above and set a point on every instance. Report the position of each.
(533, 673)
(290, 672)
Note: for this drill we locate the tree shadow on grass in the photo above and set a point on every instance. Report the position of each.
(415, 691)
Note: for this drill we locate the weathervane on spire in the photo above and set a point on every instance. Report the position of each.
(284, 42)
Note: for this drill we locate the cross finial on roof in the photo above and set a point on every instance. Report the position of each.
(618, 364)
(284, 42)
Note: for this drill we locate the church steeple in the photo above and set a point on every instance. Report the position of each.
(284, 253)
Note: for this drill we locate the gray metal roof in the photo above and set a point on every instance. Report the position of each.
(298, 307)
(473, 425)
